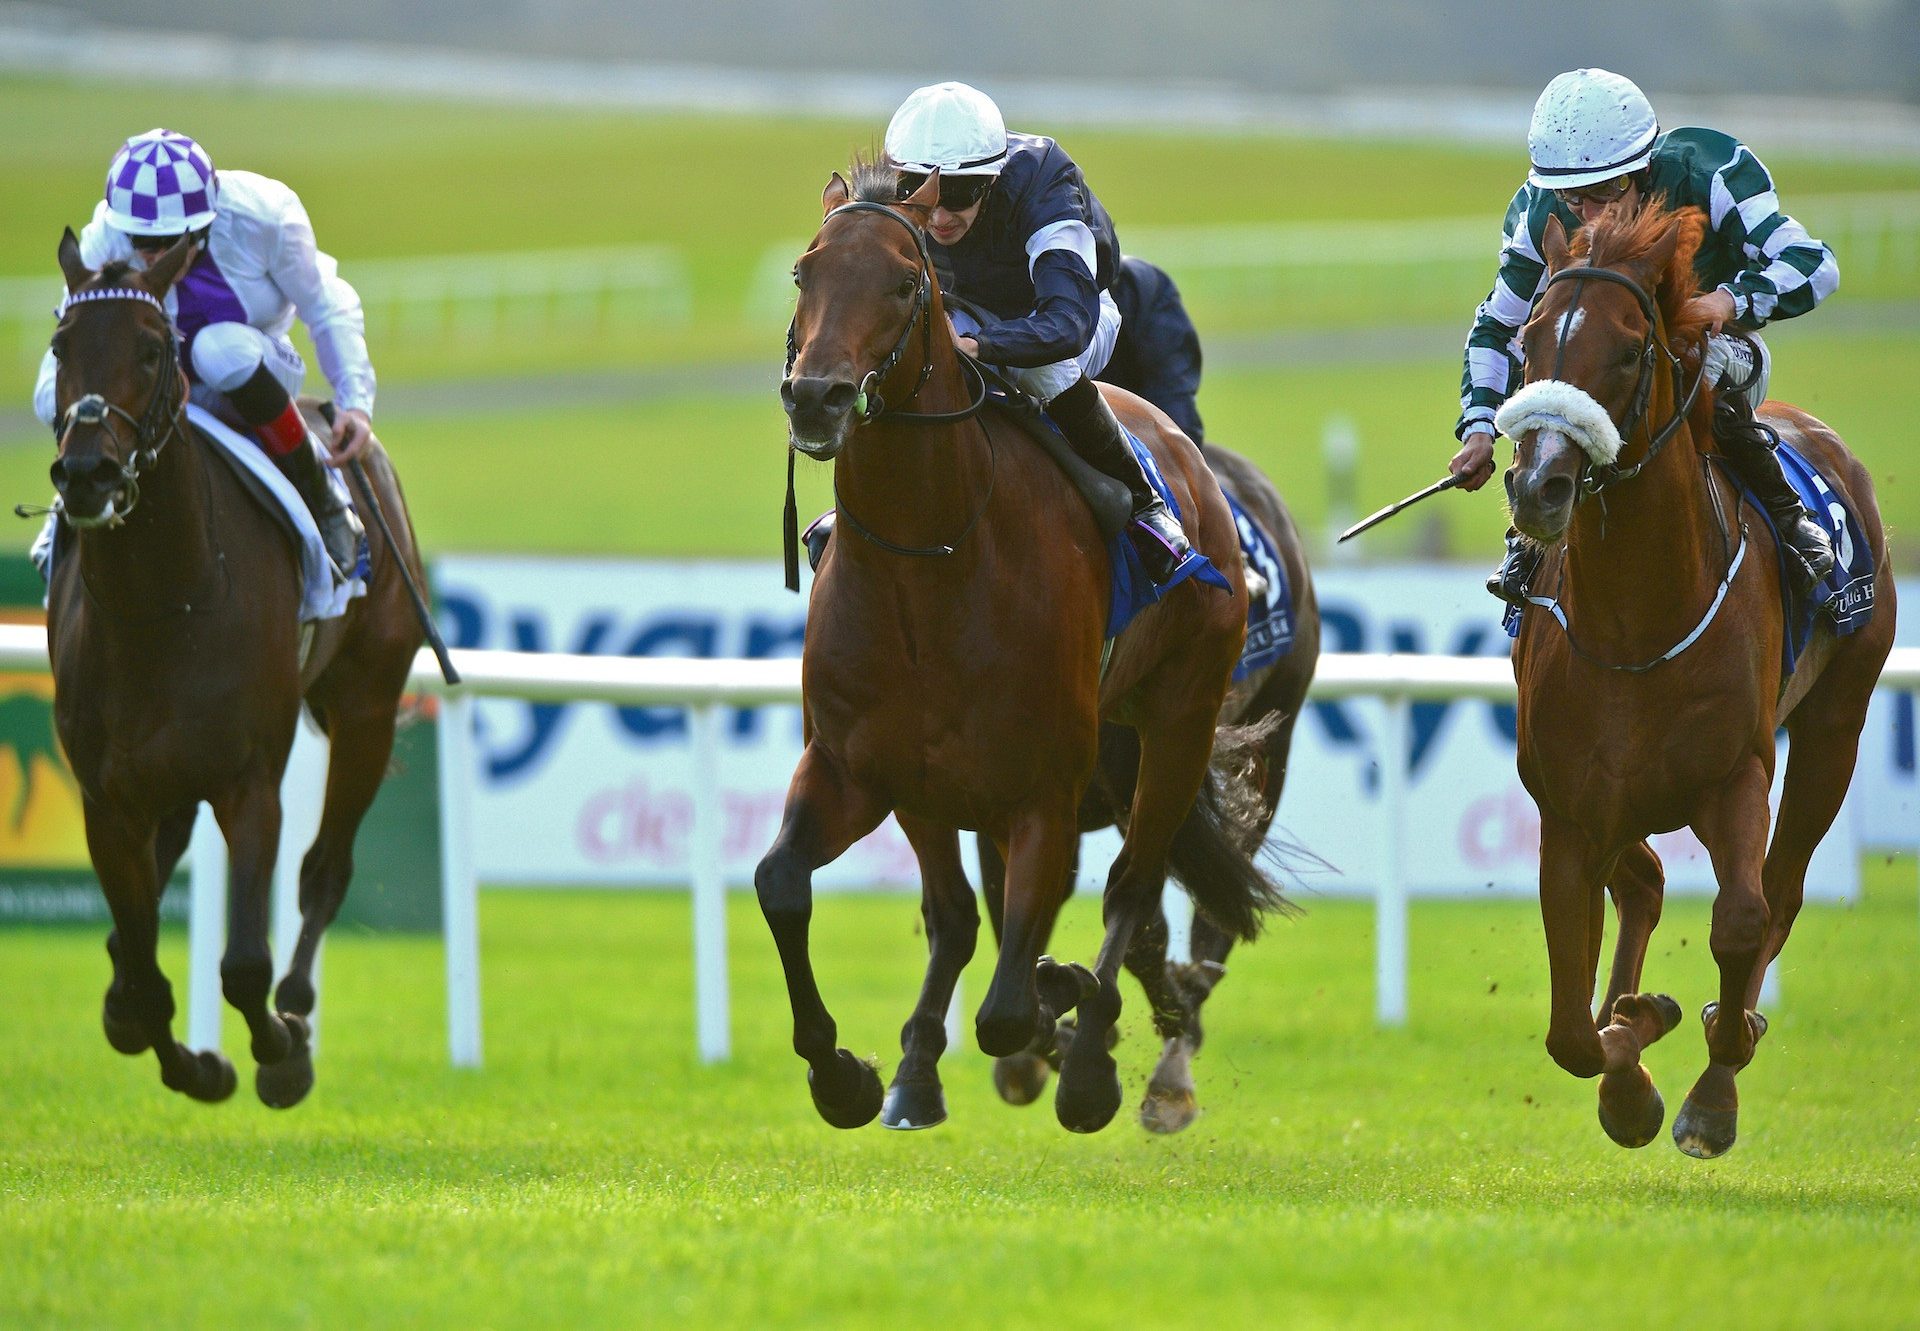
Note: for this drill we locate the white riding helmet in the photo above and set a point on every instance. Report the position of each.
(948, 126)
(1589, 126)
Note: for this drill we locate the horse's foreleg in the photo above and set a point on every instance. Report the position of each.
(914, 1100)
(139, 1009)
(249, 817)
(1173, 762)
(826, 812)
(1732, 825)
(1013, 1018)
(1571, 870)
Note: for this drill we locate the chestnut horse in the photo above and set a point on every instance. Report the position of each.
(179, 674)
(953, 670)
(1267, 702)
(1650, 695)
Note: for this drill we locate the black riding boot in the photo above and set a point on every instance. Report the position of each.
(1090, 427)
(1748, 448)
(339, 527)
(1515, 574)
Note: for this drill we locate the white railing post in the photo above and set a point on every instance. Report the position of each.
(1390, 893)
(1177, 906)
(303, 793)
(459, 893)
(206, 929)
(709, 889)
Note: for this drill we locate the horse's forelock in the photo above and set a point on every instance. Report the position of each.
(874, 182)
(1619, 240)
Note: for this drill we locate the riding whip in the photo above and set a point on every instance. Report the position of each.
(1387, 512)
(434, 640)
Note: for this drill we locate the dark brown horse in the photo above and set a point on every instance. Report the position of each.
(179, 673)
(1265, 705)
(953, 670)
(1654, 706)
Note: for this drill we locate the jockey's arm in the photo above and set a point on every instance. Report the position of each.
(1787, 271)
(1065, 314)
(1492, 360)
(330, 308)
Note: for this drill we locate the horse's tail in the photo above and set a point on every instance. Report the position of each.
(1213, 853)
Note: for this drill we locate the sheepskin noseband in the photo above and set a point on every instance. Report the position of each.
(1552, 404)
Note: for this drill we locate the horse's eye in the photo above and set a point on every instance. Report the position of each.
(906, 288)
(149, 355)
(1629, 357)
(796, 277)
(59, 348)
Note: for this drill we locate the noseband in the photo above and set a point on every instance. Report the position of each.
(154, 426)
(1595, 477)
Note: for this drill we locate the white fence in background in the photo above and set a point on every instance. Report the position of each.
(702, 686)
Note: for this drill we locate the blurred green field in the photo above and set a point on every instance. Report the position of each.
(1445, 1175)
(697, 470)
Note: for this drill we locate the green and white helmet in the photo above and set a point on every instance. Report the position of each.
(1589, 126)
(948, 126)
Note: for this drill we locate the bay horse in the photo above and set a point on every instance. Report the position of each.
(953, 670)
(1265, 705)
(1649, 696)
(179, 674)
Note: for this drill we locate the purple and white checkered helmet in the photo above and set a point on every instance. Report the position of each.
(161, 184)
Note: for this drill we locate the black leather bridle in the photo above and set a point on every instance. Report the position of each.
(1594, 476)
(869, 406)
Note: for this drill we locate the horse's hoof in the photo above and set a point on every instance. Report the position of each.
(849, 1095)
(1020, 1078)
(1089, 1093)
(284, 1084)
(127, 1037)
(1063, 986)
(1168, 1109)
(1631, 1109)
(209, 1077)
(911, 1106)
(272, 1042)
(1669, 1009)
(1705, 1134)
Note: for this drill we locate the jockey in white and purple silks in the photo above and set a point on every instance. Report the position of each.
(1019, 236)
(256, 268)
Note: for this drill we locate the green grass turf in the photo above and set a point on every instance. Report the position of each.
(594, 1174)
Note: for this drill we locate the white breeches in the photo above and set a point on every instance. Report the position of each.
(1045, 381)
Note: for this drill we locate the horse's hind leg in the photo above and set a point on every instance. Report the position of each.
(1169, 1105)
(826, 812)
(1732, 825)
(139, 1009)
(1020, 1077)
(914, 1100)
(249, 817)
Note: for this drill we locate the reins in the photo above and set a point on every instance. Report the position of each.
(870, 406)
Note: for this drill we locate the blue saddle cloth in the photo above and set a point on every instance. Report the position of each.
(1133, 590)
(1844, 596)
(1269, 617)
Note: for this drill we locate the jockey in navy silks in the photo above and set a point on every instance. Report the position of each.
(1595, 144)
(256, 268)
(1019, 237)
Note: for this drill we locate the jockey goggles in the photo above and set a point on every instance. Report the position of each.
(1607, 191)
(957, 193)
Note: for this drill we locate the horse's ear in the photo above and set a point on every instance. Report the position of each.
(1672, 255)
(835, 194)
(166, 269)
(1553, 246)
(77, 273)
(928, 195)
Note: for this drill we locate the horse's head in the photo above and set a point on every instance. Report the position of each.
(119, 383)
(1591, 348)
(866, 286)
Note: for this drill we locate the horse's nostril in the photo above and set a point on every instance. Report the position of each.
(1557, 492)
(840, 397)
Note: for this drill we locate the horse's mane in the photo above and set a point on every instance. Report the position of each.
(874, 182)
(1622, 239)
